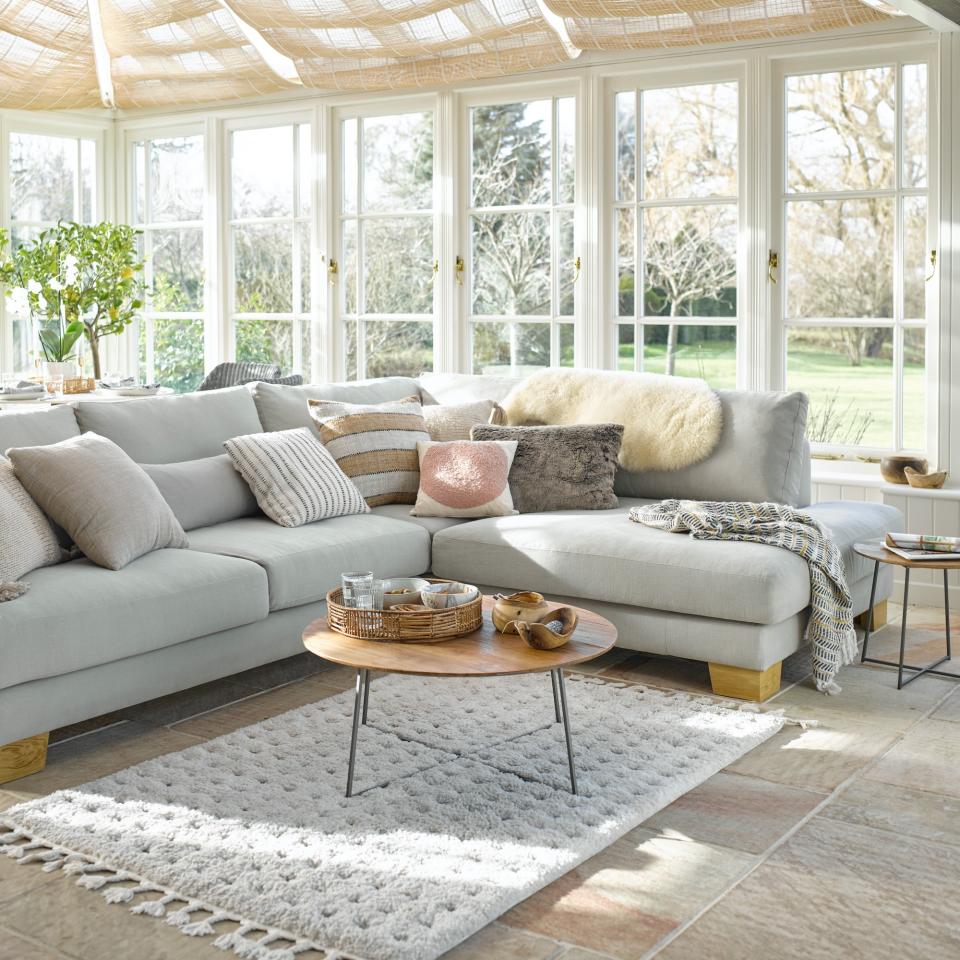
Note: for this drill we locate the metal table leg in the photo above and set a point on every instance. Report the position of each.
(903, 624)
(946, 609)
(556, 699)
(366, 696)
(358, 702)
(873, 597)
(566, 728)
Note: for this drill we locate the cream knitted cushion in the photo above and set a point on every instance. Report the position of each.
(454, 421)
(294, 479)
(27, 540)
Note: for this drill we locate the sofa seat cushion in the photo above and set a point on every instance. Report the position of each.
(601, 555)
(401, 511)
(303, 563)
(77, 615)
(852, 522)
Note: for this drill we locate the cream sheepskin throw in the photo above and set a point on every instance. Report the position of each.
(669, 422)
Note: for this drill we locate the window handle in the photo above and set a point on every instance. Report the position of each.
(458, 268)
(576, 270)
(332, 271)
(933, 266)
(773, 264)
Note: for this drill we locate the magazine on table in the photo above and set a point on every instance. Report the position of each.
(923, 546)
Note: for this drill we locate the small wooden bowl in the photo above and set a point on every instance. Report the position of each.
(925, 481)
(527, 605)
(892, 468)
(541, 637)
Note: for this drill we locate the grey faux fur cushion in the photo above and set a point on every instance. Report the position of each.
(561, 468)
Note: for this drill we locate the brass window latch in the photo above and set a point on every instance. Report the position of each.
(773, 264)
(933, 266)
(332, 270)
(458, 268)
(576, 270)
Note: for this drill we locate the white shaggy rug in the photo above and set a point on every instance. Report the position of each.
(462, 809)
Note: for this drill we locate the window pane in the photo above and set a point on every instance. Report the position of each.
(848, 374)
(690, 141)
(265, 341)
(566, 148)
(511, 264)
(348, 177)
(707, 352)
(349, 266)
(177, 262)
(532, 346)
(915, 125)
(626, 347)
(840, 130)
(305, 180)
(491, 348)
(43, 174)
(398, 162)
(177, 353)
(303, 240)
(566, 333)
(88, 180)
(567, 263)
(176, 179)
(840, 258)
(306, 350)
(511, 154)
(691, 261)
(262, 170)
(915, 257)
(398, 349)
(914, 389)
(626, 146)
(625, 262)
(398, 265)
(262, 268)
(350, 349)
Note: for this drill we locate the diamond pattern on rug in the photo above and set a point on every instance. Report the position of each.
(463, 808)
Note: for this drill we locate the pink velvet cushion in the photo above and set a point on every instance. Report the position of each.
(465, 478)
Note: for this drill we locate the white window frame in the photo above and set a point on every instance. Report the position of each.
(298, 318)
(337, 217)
(665, 79)
(521, 92)
(897, 56)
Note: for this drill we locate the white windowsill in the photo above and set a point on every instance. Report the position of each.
(947, 492)
(846, 472)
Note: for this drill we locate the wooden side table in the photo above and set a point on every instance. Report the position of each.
(876, 551)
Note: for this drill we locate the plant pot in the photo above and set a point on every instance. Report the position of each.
(51, 370)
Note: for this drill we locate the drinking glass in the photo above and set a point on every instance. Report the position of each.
(358, 590)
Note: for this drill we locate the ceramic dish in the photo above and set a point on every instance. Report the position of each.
(410, 587)
(442, 596)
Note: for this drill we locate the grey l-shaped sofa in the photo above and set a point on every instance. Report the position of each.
(84, 640)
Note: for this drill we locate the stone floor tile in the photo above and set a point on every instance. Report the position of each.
(187, 703)
(578, 953)
(340, 678)
(605, 662)
(7, 799)
(18, 878)
(503, 943)
(85, 726)
(898, 810)
(835, 890)
(950, 708)
(730, 810)
(625, 899)
(928, 758)
(818, 758)
(689, 675)
(99, 753)
(282, 671)
(15, 947)
(253, 709)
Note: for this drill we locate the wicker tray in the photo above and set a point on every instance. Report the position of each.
(79, 385)
(404, 626)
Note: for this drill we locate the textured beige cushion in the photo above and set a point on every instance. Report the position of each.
(27, 540)
(454, 421)
(109, 506)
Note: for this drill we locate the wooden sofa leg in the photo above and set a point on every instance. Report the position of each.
(879, 616)
(23, 757)
(742, 684)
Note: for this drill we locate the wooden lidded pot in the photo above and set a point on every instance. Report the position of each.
(892, 467)
(526, 605)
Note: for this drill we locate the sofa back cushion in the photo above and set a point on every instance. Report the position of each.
(760, 456)
(285, 408)
(37, 427)
(203, 492)
(173, 429)
(464, 387)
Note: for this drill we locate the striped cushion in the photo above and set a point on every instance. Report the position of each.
(27, 541)
(375, 445)
(293, 477)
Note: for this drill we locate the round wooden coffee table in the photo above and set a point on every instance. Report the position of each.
(483, 653)
(875, 550)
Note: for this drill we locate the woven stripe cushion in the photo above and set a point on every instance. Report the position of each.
(293, 477)
(375, 445)
(465, 478)
(27, 540)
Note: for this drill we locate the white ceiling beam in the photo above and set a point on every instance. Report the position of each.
(101, 55)
(278, 62)
(940, 15)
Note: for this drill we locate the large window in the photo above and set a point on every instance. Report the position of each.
(523, 265)
(855, 223)
(51, 178)
(675, 220)
(168, 205)
(387, 255)
(270, 225)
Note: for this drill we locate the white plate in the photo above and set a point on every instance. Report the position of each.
(132, 391)
(21, 398)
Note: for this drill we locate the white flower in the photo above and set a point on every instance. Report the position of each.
(71, 273)
(42, 301)
(17, 301)
(70, 260)
(33, 286)
(54, 284)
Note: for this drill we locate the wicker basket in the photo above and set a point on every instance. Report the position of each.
(79, 385)
(404, 626)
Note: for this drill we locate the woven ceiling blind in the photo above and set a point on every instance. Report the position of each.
(167, 52)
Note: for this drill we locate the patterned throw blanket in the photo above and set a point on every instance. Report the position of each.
(830, 628)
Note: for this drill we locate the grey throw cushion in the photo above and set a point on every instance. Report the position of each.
(27, 541)
(106, 503)
(37, 427)
(203, 492)
(760, 456)
(561, 468)
(294, 478)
